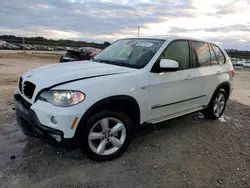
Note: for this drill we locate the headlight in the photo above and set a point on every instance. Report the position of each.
(62, 98)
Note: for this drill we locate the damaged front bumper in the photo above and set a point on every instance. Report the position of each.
(31, 126)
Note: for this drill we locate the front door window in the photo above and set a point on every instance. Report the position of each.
(178, 51)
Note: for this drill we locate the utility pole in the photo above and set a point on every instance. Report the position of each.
(138, 31)
(23, 47)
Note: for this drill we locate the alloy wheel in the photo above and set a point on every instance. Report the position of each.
(219, 104)
(107, 136)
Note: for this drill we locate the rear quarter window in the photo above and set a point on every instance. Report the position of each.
(219, 55)
(213, 57)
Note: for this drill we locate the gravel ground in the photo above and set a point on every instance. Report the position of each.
(189, 151)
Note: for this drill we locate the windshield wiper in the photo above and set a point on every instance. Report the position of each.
(115, 63)
(110, 62)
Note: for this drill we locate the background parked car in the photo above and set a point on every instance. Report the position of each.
(2, 42)
(8, 46)
(238, 64)
(59, 48)
(84, 53)
(246, 64)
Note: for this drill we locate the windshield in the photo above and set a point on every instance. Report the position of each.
(134, 53)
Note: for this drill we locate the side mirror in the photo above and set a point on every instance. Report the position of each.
(169, 64)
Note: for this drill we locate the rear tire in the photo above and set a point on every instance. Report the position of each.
(106, 135)
(217, 105)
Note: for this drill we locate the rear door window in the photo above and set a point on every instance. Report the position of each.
(202, 54)
(219, 54)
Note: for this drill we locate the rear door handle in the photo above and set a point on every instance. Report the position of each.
(189, 78)
(218, 72)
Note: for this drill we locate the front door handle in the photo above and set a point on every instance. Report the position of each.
(218, 72)
(189, 78)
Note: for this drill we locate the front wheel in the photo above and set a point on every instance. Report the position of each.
(217, 105)
(106, 135)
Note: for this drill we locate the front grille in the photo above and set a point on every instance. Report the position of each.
(28, 89)
(20, 84)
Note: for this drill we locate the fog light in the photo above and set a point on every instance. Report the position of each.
(53, 120)
(56, 137)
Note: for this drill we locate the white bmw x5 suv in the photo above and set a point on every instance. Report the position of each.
(96, 105)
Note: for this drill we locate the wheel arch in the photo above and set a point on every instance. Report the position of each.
(124, 103)
(224, 85)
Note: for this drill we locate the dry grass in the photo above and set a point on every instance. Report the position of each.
(54, 57)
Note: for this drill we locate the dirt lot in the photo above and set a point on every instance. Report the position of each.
(189, 151)
(31, 54)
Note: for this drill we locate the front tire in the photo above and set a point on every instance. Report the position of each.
(217, 105)
(106, 135)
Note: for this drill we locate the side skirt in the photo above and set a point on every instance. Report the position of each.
(171, 116)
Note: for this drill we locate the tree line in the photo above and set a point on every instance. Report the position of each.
(43, 41)
(238, 54)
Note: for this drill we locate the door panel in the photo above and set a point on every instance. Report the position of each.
(207, 79)
(208, 70)
(172, 92)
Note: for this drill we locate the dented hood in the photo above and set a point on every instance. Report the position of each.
(56, 74)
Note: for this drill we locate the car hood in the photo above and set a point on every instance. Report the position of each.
(56, 74)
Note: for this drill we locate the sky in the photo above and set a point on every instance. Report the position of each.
(226, 22)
